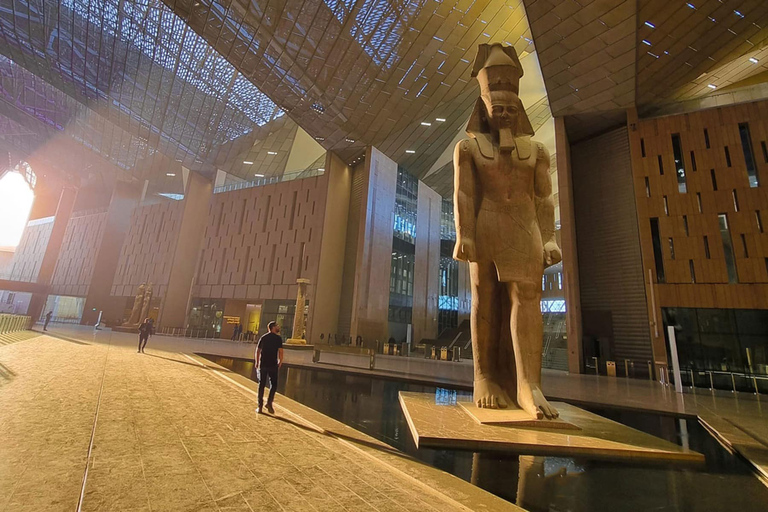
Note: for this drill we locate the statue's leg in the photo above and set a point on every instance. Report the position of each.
(484, 322)
(527, 338)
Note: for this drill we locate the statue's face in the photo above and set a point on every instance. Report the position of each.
(502, 110)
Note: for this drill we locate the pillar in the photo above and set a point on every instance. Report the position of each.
(47, 266)
(568, 247)
(426, 282)
(125, 197)
(175, 305)
(364, 310)
(297, 336)
(324, 314)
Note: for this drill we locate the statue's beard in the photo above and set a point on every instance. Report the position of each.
(506, 130)
(506, 138)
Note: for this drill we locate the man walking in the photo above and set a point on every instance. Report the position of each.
(48, 316)
(269, 359)
(144, 331)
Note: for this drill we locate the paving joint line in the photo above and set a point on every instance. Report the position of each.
(93, 430)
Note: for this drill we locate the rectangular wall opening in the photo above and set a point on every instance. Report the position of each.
(677, 148)
(749, 155)
(706, 138)
(730, 261)
(713, 176)
(706, 248)
(692, 271)
(658, 258)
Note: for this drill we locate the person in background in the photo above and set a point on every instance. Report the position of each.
(144, 330)
(48, 316)
(151, 327)
(269, 359)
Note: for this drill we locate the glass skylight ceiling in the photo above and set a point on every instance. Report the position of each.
(379, 25)
(139, 66)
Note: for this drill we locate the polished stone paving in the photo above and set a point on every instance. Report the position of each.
(99, 427)
(739, 420)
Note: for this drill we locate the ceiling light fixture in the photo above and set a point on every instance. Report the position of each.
(712, 86)
(351, 141)
(645, 41)
(271, 152)
(170, 174)
(440, 119)
(425, 124)
(247, 162)
(649, 24)
(753, 60)
(410, 151)
(691, 6)
(259, 175)
(737, 13)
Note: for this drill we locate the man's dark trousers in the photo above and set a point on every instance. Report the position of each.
(264, 374)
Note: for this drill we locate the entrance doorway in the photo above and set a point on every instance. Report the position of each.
(253, 319)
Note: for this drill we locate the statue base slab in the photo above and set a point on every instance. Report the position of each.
(513, 417)
(296, 341)
(446, 425)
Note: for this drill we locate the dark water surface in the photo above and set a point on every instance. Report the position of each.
(538, 484)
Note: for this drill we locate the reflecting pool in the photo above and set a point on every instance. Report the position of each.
(538, 484)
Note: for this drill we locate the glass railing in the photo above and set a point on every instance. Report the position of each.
(269, 180)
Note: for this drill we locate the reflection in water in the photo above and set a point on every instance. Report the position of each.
(538, 484)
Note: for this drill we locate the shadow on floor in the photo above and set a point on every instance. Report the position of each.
(6, 373)
(223, 370)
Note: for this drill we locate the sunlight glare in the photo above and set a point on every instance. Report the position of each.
(15, 204)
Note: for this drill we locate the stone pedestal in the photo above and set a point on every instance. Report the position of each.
(441, 422)
(297, 337)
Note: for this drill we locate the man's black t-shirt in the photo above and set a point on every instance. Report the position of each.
(269, 344)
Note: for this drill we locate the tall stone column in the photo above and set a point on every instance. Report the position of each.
(175, 305)
(297, 336)
(568, 247)
(125, 197)
(47, 266)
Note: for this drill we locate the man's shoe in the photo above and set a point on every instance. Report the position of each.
(270, 409)
(259, 410)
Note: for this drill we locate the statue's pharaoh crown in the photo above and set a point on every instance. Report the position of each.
(497, 68)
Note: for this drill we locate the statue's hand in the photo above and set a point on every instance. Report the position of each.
(552, 254)
(464, 250)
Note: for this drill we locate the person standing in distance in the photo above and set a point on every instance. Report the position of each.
(269, 359)
(48, 316)
(145, 330)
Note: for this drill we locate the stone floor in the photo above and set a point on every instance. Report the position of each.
(739, 420)
(96, 426)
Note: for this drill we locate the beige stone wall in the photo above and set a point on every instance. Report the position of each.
(149, 248)
(31, 249)
(259, 240)
(74, 266)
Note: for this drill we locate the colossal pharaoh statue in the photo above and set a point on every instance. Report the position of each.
(505, 229)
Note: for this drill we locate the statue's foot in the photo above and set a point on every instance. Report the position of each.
(489, 395)
(535, 404)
